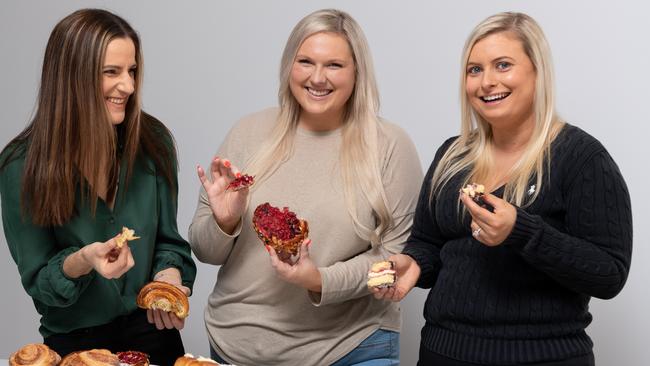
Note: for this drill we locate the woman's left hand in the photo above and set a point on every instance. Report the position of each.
(303, 273)
(164, 319)
(490, 228)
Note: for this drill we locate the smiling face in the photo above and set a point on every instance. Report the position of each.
(118, 77)
(322, 80)
(500, 81)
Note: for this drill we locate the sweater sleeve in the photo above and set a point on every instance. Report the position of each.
(426, 241)
(211, 244)
(593, 255)
(401, 175)
(35, 250)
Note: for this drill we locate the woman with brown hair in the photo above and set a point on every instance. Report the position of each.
(89, 163)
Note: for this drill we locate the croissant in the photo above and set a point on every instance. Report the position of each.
(34, 354)
(125, 236)
(189, 360)
(93, 357)
(164, 296)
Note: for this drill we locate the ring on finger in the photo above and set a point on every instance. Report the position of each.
(476, 232)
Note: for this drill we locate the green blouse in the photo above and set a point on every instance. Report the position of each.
(148, 206)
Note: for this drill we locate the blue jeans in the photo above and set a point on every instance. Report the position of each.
(381, 348)
(215, 356)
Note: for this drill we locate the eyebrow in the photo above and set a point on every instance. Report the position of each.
(500, 58)
(337, 60)
(118, 67)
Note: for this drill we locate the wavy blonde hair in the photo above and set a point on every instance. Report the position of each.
(359, 160)
(471, 149)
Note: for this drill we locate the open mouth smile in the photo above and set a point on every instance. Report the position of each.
(117, 101)
(318, 93)
(494, 97)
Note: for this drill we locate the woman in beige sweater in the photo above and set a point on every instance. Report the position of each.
(326, 155)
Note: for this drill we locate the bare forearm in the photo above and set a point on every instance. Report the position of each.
(75, 265)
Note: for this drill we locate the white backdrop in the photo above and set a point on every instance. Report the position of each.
(207, 63)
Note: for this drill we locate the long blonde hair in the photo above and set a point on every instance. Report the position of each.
(360, 166)
(471, 149)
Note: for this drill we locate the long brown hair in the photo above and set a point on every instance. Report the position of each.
(71, 141)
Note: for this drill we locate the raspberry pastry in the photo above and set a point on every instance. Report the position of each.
(34, 354)
(164, 296)
(93, 357)
(381, 275)
(133, 358)
(280, 229)
(243, 181)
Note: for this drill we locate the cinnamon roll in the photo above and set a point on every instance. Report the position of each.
(93, 357)
(34, 354)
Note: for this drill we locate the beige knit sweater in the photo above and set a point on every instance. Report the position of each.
(255, 318)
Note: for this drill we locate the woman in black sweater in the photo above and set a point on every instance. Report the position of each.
(511, 282)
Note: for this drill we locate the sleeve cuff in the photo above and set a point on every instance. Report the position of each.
(67, 287)
(332, 290)
(526, 226)
(165, 263)
(425, 264)
(235, 234)
(320, 298)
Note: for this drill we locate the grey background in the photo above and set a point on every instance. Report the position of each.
(208, 63)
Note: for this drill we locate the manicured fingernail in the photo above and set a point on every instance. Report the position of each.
(238, 175)
(226, 163)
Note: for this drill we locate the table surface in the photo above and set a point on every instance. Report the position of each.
(5, 362)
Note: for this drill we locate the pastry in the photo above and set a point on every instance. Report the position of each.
(241, 182)
(93, 357)
(126, 235)
(133, 358)
(190, 360)
(34, 354)
(476, 192)
(381, 275)
(280, 229)
(164, 296)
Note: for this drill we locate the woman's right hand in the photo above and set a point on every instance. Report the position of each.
(227, 206)
(407, 272)
(107, 259)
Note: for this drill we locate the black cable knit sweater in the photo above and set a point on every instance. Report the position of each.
(525, 300)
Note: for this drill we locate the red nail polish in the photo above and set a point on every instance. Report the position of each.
(226, 163)
(238, 175)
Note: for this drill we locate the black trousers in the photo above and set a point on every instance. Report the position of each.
(428, 358)
(127, 333)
